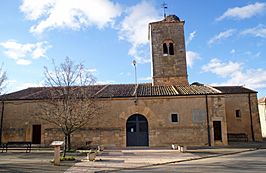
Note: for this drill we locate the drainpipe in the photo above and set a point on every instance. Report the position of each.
(208, 123)
(1, 122)
(251, 120)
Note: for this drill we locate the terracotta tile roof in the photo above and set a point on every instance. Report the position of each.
(36, 93)
(29, 92)
(195, 89)
(149, 90)
(234, 89)
(121, 90)
(129, 90)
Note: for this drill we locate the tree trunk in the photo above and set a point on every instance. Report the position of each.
(68, 142)
(65, 145)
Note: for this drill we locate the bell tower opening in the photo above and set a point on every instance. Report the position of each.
(168, 47)
(168, 52)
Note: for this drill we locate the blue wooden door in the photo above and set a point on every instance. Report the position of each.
(137, 131)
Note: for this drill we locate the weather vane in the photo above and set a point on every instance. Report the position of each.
(164, 6)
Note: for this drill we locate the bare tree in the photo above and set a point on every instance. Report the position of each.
(3, 78)
(70, 103)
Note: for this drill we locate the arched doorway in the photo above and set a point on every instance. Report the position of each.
(137, 131)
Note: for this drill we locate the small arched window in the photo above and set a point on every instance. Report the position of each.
(168, 47)
(171, 48)
(165, 49)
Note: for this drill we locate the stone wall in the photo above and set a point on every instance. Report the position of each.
(170, 81)
(168, 66)
(216, 107)
(17, 120)
(243, 124)
(109, 128)
(255, 117)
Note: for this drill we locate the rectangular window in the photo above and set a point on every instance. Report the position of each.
(174, 117)
(238, 114)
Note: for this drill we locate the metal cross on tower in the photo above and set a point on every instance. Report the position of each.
(164, 6)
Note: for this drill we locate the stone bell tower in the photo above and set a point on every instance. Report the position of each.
(168, 52)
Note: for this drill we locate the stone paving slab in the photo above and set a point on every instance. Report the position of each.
(130, 159)
(123, 160)
(113, 160)
(37, 161)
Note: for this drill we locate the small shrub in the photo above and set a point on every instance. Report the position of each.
(67, 158)
(71, 151)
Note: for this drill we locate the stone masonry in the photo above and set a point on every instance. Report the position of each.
(168, 69)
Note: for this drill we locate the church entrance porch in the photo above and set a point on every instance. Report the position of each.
(137, 131)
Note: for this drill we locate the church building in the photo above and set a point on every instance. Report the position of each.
(167, 111)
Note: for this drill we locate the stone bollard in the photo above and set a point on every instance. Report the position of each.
(57, 155)
(56, 145)
(182, 149)
(91, 156)
(174, 146)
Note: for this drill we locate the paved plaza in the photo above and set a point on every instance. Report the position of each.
(115, 160)
(36, 161)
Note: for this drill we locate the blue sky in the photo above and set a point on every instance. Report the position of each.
(226, 40)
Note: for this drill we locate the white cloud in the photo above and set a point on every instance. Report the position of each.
(220, 68)
(52, 14)
(221, 36)
(40, 50)
(258, 31)
(191, 57)
(34, 9)
(244, 12)
(23, 62)
(191, 37)
(252, 54)
(134, 29)
(16, 50)
(236, 75)
(21, 52)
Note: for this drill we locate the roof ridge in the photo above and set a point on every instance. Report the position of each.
(41, 90)
(175, 89)
(212, 88)
(105, 86)
(135, 91)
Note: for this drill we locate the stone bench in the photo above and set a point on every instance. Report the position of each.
(237, 137)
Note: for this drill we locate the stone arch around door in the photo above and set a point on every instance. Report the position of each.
(137, 131)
